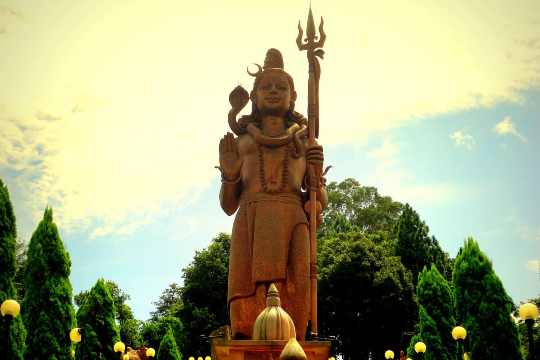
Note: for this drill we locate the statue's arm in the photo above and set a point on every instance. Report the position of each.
(229, 195)
(230, 165)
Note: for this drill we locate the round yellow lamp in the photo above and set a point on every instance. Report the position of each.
(125, 357)
(332, 358)
(150, 352)
(388, 354)
(207, 358)
(527, 311)
(191, 358)
(75, 335)
(10, 307)
(420, 347)
(119, 347)
(459, 333)
(200, 358)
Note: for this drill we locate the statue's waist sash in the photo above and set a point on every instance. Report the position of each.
(261, 237)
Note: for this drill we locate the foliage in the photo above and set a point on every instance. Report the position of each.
(364, 295)
(129, 326)
(416, 248)
(204, 295)
(48, 311)
(154, 330)
(168, 349)
(8, 235)
(96, 318)
(169, 302)
(355, 207)
(483, 307)
(436, 313)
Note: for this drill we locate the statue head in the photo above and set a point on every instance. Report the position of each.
(273, 89)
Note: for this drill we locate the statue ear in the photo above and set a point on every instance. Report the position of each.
(293, 96)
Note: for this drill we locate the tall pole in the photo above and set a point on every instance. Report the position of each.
(530, 323)
(314, 50)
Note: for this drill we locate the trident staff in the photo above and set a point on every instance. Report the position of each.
(313, 46)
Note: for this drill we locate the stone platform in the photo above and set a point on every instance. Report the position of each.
(224, 349)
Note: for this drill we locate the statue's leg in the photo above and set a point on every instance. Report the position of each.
(244, 311)
(295, 297)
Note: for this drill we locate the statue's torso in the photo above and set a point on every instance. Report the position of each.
(265, 166)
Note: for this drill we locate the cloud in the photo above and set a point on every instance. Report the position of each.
(508, 127)
(533, 265)
(114, 164)
(462, 139)
(392, 179)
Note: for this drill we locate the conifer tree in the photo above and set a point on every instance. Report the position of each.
(48, 310)
(96, 318)
(483, 307)
(167, 348)
(8, 235)
(436, 312)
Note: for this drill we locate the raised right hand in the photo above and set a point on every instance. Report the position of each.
(229, 159)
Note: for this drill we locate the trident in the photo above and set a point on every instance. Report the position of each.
(314, 51)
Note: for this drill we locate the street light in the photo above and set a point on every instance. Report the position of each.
(459, 334)
(388, 354)
(125, 357)
(207, 358)
(529, 313)
(75, 335)
(150, 352)
(9, 309)
(420, 348)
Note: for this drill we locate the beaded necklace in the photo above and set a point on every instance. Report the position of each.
(284, 174)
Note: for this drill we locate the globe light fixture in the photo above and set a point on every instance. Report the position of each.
(388, 354)
(125, 357)
(207, 358)
(119, 347)
(332, 358)
(529, 313)
(420, 347)
(10, 307)
(200, 358)
(459, 333)
(150, 352)
(191, 358)
(75, 335)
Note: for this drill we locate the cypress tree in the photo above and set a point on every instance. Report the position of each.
(483, 306)
(96, 318)
(48, 311)
(8, 235)
(167, 348)
(436, 310)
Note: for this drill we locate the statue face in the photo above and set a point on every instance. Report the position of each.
(273, 94)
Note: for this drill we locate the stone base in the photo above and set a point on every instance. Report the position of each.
(223, 349)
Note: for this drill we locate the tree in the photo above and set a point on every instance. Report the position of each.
(96, 318)
(365, 294)
(169, 302)
(416, 248)
(168, 349)
(48, 311)
(8, 235)
(483, 306)
(436, 313)
(204, 295)
(129, 326)
(154, 330)
(352, 206)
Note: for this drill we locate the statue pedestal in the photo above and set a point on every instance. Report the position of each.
(223, 349)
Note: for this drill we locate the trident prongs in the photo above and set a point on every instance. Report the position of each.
(310, 42)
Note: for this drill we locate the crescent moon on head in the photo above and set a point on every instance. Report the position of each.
(255, 73)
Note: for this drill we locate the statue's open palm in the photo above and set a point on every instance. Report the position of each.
(229, 159)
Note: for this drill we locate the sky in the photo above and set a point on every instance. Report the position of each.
(111, 113)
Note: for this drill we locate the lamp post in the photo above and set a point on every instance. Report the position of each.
(9, 309)
(388, 354)
(420, 349)
(529, 313)
(150, 352)
(459, 334)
